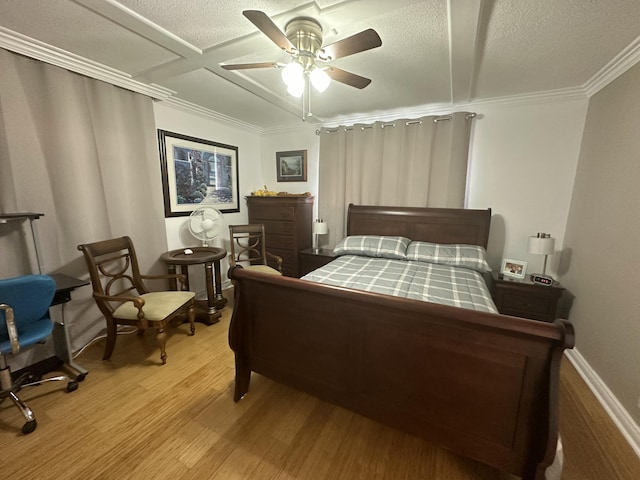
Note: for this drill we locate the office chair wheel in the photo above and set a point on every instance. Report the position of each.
(29, 427)
(80, 377)
(72, 386)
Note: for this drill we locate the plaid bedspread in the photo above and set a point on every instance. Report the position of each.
(455, 286)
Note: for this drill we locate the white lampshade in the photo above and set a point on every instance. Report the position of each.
(543, 244)
(293, 73)
(296, 89)
(319, 79)
(320, 228)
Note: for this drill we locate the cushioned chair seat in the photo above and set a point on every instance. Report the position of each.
(248, 249)
(157, 306)
(116, 279)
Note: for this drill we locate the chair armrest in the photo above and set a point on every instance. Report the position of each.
(278, 260)
(11, 327)
(137, 302)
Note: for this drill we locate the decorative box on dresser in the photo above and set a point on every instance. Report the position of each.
(523, 298)
(287, 222)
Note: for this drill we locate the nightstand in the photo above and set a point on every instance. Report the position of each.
(523, 298)
(310, 259)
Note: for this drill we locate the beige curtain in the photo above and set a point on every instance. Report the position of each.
(413, 163)
(84, 153)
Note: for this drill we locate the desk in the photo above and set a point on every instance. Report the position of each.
(64, 286)
(210, 257)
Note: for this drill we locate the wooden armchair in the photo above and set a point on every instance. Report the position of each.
(122, 297)
(248, 245)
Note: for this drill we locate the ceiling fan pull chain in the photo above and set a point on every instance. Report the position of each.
(304, 92)
(309, 114)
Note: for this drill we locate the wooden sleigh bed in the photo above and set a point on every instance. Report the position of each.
(481, 384)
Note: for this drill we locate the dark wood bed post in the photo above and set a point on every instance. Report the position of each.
(538, 470)
(238, 345)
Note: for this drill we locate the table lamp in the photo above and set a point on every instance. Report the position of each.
(319, 228)
(542, 244)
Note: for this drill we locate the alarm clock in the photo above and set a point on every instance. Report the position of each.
(541, 279)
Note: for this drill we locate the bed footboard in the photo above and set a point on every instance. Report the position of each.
(483, 385)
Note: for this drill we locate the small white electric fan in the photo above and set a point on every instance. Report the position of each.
(205, 223)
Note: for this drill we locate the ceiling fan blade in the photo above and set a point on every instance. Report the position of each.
(347, 78)
(246, 66)
(270, 29)
(360, 42)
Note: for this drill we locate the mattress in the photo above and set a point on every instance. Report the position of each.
(430, 282)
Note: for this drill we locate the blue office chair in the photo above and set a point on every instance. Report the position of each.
(25, 321)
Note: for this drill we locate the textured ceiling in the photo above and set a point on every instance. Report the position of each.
(435, 54)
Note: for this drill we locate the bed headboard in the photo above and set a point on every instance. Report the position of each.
(436, 225)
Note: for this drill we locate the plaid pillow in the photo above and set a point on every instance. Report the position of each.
(457, 255)
(373, 246)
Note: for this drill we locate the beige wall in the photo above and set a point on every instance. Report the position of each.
(601, 255)
(523, 162)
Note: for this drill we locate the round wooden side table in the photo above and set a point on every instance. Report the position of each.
(210, 257)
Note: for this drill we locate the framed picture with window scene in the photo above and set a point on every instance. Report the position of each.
(291, 166)
(196, 171)
(513, 268)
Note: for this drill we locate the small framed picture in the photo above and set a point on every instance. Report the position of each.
(292, 166)
(513, 268)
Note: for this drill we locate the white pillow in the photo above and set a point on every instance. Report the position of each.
(457, 255)
(373, 246)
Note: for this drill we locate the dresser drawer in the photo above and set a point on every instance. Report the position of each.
(271, 212)
(281, 242)
(514, 301)
(279, 228)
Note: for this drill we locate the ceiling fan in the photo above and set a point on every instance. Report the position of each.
(303, 41)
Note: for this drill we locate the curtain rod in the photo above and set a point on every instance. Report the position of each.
(468, 116)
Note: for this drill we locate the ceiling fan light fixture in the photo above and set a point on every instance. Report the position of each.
(296, 89)
(303, 41)
(293, 73)
(319, 79)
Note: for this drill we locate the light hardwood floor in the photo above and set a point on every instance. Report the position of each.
(134, 419)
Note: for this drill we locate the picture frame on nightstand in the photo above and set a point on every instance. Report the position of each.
(513, 268)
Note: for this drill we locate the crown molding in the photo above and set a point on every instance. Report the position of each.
(622, 62)
(18, 43)
(29, 47)
(560, 95)
(210, 114)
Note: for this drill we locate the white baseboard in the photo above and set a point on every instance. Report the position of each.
(627, 426)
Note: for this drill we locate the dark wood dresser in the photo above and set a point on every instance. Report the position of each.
(287, 222)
